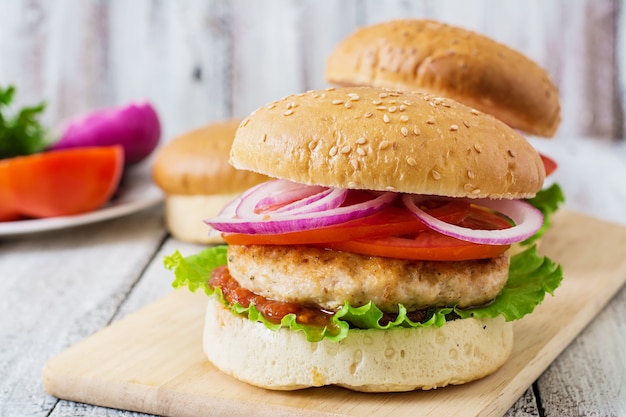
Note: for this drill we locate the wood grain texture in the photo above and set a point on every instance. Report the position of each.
(200, 61)
(75, 282)
(152, 361)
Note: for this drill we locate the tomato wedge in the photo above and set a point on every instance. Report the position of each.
(549, 164)
(59, 183)
(392, 220)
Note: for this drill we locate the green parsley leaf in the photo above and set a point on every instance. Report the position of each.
(20, 133)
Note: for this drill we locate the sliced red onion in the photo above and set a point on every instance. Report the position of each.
(526, 217)
(323, 212)
(285, 192)
(312, 198)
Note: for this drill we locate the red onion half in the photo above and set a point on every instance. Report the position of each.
(526, 217)
(248, 213)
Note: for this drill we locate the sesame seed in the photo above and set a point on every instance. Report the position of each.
(264, 137)
(333, 151)
(245, 122)
(436, 175)
(315, 95)
(355, 164)
(377, 102)
(312, 144)
(383, 145)
(476, 191)
(288, 112)
(478, 148)
(361, 140)
(352, 184)
(354, 96)
(470, 174)
(392, 109)
(337, 101)
(402, 107)
(330, 89)
(361, 151)
(346, 149)
(416, 131)
(454, 128)
(381, 108)
(367, 115)
(510, 151)
(430, 121)
(348, 105)
(390, 188)
(466, 123)
(385, 118)
(468, 187)
(475, 112)
(406, 103)
(393, 101)
(383, 95)
(411, 161)
(404, 118)
(271, 106)
(405, 131)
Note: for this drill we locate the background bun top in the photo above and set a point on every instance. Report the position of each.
(196, 162)
(378, 139)
(453, 62)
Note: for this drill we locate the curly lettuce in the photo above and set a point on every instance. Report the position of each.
(548, 201)
(531, 276)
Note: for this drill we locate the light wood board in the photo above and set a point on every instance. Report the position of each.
(152, 360)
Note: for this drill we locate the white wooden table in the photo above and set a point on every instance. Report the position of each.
(57, 288)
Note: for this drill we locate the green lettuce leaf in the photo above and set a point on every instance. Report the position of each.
(530, 277)
(548, 201)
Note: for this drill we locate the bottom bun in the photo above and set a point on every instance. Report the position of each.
(402, 359)
(184, 215)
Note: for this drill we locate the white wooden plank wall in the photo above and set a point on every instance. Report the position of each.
(203, 60)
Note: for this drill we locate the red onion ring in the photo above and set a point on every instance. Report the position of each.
(283, 192)
(239, 216)
(526, 217)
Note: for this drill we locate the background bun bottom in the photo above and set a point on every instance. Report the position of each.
(184, 215)
(368, 360)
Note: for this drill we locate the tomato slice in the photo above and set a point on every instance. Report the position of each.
(429, 245)
(395, 232)
(392, 220)
(549, 164)
(426, 246)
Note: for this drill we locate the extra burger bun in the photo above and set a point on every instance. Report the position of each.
(401, 359)
(452, 62)
(378, 139)
(193, 172)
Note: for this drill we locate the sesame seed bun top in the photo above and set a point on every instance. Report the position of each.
(452, 62)
(378, 139)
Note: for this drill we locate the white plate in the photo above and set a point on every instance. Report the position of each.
(136, 192)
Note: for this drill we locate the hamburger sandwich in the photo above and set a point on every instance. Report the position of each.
(449, 61)
(193, 172)
(377, 259)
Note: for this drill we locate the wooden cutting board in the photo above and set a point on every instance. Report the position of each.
(152, 360)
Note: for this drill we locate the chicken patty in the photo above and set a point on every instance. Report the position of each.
(328, 278)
